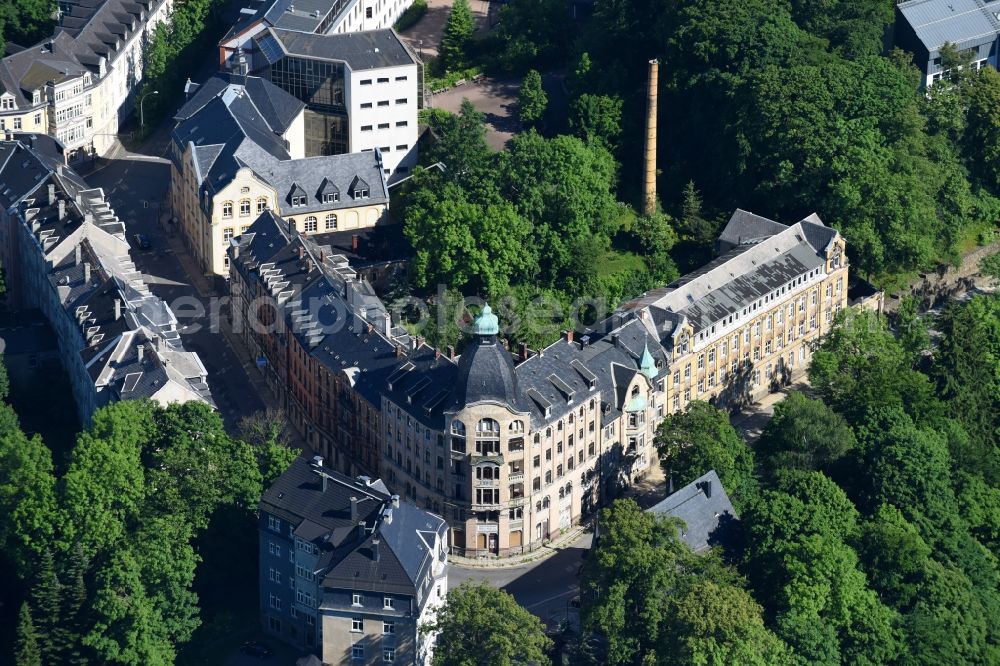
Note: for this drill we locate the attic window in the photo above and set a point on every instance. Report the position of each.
(298, 200)
(360, 194)
(6, 103)
(331, 197)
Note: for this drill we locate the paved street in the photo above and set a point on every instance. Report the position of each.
(137, 186)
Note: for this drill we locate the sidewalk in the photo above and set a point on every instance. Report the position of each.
(563, 541)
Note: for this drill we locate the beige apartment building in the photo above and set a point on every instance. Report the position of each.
(511, 448)
(237, 151)
(79, 86)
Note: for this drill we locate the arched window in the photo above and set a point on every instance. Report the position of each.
(311, 224)
(571, 419)
(292, 223)
(562, 493)
(516, 426)
(261, 205)
(635, 391)
(244, 208)
(488, 426)
(458, 428)
(331, 222)
(545, 502)
(227, 209)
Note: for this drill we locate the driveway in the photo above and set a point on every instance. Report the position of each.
(425, 36)
(496, 98)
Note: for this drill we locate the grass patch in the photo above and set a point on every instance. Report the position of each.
(413, 13)
(619, 261)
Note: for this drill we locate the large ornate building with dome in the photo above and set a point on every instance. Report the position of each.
(510, 447)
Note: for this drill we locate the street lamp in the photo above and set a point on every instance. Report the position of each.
(142, 117)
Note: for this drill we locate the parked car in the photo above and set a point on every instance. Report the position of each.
(142, 242)
(255, 649)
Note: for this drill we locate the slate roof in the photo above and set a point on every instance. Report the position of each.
(321, 513)
(958, 22)
(235, 125)
(89, 37)
(486, 375)
(703, 505)
(370, 49)
(739, 277)
(93, 278)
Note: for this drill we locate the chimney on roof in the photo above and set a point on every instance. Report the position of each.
(88, 218)
(52, 194)
(236, 251)
(322, 256)
(420, 341)
(309, 265)
(395, 501)
(354, 509)
(78, 254)
(614, 339)
(140, 351)
(568, 336)
(706, 487)
(118, 309)
(291, 226)
(649, 174)
(354, 243)
(86, 272)
(525, 352)
(375, 541)
(62, 209)
(302, 252)
(451, 352)
(437, 353)
(156, 342)
(399, 351)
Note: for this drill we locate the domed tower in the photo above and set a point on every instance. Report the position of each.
(486, 369)
(487, 427)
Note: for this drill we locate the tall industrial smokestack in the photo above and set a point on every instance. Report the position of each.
(649, 174)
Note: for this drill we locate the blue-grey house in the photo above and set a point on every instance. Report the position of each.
(923, 27)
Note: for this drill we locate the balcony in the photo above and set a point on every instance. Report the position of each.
(515, 477)
(487, 483)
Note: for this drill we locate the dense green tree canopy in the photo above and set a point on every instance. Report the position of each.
(804, 434)
(532, 99)
(482, 626)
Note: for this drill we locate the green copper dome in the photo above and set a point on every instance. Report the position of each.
(486, 323)
(647, 365)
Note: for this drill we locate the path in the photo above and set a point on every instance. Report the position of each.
(425, 36)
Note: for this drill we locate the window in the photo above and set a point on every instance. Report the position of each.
(38, 119)
(360, 194)
(402, 146)
(368, 12)
(401, 101)
(366, 128)
(401, 78)
(388, 602)
(7, 103)
(357, 624)
(366, 82)
(388, 655)
(244, 208)
(274, 548)
(357, 652)
(331, 222)
(366, 105)
(385, 149)
(292, 223)
(311, 224)
(701, 361)
(402, 123)
(355, 599)
(261, 205)
(227, 235)
(298, 201)
(388, 627)
(227, 209)
(383, 125)
(383, 102)
(275, 601)
(17, 123)
(383, 79)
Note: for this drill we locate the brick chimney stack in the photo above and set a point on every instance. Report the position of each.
(649, 173)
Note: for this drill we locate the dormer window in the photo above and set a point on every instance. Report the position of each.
(6, 103)
(298, 201)
(360, 194)
(331, 197)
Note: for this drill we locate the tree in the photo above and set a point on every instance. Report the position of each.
(481, 625)
(700, 439)
(597, 118)
(46, 599)
(27, 651)
(911, 329)
(981, 140)
(804, 434)
(532, 99)
(268, 433)
(990, 265)
(461, 147)
(694, 226)
(623, 582)
(718, 625)
(457, 33)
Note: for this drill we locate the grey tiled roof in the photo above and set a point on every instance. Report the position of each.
(703, 505)
(746, 228)
(347, 552)
(958, 22)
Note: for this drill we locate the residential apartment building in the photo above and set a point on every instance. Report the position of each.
(317, 17)
(65, 252)
(237, 150)
(361, 90)
(924, 27)
(347, 570)
(79, 86)
(511, 449)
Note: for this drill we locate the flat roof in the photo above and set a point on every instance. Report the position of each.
(371, 49)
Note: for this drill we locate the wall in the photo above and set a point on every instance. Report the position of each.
(397, 142)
